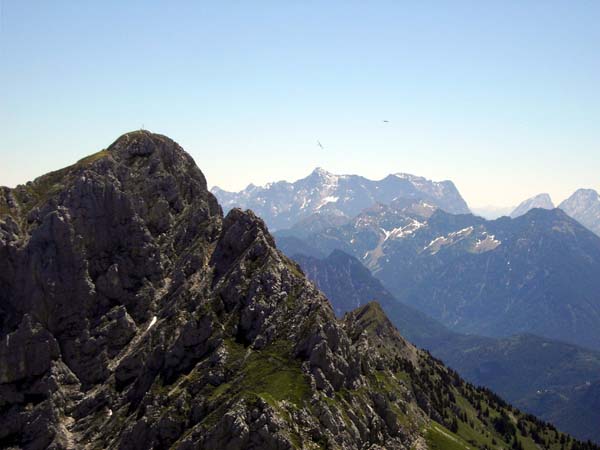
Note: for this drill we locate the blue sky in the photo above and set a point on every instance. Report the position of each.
(501, 97)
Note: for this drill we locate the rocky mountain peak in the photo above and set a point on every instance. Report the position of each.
(371, 318)
(539, 201)
(138, 143)
(319, 171)
(153, 155)
(584, 206)
(586, 193)
(580, 201)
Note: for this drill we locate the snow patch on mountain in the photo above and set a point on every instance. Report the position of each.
(451, 238)
(328, 199)
(486, 243)
(402, 232)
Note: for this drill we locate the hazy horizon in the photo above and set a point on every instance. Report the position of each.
(501, 99)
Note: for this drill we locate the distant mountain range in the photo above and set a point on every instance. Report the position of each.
(556, 381)
(537, 273)
(323, 199)
(284, 204)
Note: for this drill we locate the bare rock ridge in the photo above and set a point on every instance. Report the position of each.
(134, 316)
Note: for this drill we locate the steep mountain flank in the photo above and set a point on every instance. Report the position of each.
(134, 316)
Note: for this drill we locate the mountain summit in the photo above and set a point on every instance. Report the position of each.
(135, 316)
(539, 201)
(283, 204)
(584, 206)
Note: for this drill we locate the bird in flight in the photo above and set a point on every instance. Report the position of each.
(320, 145)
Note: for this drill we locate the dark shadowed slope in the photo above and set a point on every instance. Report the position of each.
(349, 285)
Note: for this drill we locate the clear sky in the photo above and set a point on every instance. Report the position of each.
(501, 97)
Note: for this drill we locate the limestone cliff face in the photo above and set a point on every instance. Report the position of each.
(134, 316)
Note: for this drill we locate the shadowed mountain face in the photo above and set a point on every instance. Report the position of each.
(533, 274)
(337, 197)
(584, 206)
(348, 285)
(553, 380)
(135, 316)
